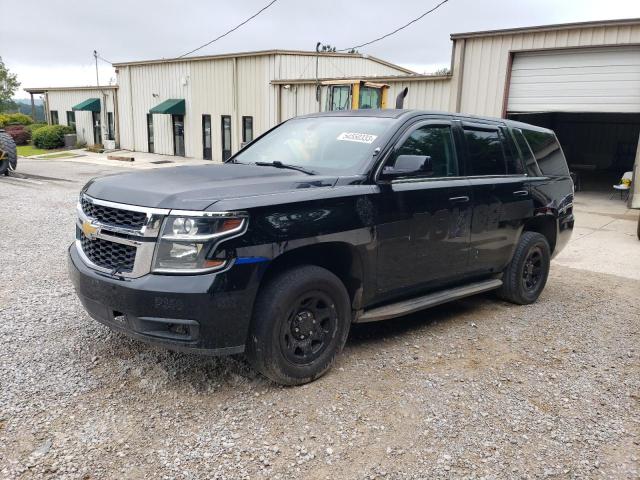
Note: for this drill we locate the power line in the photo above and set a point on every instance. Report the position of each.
(397, 29)
(105, 60)
(229, 31)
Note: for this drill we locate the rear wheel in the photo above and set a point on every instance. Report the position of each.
(526, 275)
(300, 324)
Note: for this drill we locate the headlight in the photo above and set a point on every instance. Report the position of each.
(187, 243)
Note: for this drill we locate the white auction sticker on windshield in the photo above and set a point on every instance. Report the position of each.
(357, 137)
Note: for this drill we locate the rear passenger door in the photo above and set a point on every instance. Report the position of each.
(424, 217)
(500, 195)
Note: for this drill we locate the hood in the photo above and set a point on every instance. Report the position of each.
(198, 187)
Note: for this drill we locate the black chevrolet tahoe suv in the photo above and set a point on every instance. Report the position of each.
(323, 221)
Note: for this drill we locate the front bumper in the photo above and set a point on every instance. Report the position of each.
(207, 314)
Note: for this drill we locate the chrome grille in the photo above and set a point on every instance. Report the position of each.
(113, 216)
(109, 255)
(117, 238)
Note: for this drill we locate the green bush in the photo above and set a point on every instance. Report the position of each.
(15, 119)
(34, 126)
(51, 136)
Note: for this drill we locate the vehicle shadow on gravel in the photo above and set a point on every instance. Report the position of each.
(155, 369)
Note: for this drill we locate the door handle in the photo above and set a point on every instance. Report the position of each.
(462, 199)
(521, 193)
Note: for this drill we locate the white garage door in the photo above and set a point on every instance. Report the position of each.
(577, 80)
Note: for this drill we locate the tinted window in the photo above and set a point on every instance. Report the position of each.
(435, 142)
(526, 154)
(548, 153)
(486, 155)
(514, 164)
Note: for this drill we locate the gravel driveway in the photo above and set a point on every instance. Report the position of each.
(478, 388)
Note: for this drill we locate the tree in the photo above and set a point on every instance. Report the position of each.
(442, 71)
(8, 85)
(327, 48)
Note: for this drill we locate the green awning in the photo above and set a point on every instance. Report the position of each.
(89, 105)
(173, 106)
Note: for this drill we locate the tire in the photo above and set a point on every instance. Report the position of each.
(8, 153)
(300, 324)
(527, 273)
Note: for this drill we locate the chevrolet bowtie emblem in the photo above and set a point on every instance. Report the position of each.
(89, 230)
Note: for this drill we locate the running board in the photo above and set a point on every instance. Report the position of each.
(416, 304)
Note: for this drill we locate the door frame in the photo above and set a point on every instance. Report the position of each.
(207, 155)
(173, 135)
(222, 126)
(151, 139)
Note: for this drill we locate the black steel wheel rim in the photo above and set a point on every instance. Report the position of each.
(533, 269)
(309, 327)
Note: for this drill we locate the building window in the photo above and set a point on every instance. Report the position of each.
(206, 137)
(370, 97)
(110, 126)
(150, 144)
(54, 117)
(226, 137)
(339, 97)
(247, 129)
(71, 119)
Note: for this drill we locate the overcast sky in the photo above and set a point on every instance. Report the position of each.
(50, 43)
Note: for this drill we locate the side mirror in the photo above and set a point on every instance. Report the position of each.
(406, 164)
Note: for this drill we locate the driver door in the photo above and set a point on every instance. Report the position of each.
(424, 216)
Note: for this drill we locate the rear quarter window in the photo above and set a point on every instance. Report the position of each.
(548, 154)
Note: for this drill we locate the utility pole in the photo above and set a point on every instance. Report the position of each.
(95, 56)
(317, 79)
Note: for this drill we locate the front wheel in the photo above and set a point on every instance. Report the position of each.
(300, 324)
(526, 275)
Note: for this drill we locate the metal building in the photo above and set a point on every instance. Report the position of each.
(581, 79)
(206, 107)
(92, 111)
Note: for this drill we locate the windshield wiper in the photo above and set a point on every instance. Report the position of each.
(279, 164)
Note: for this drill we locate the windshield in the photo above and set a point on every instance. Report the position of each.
(334, 145)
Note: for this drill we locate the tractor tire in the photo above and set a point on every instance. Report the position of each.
(8, 153)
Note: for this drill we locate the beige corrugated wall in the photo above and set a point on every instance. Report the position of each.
(486, 59)
(63, 101)
(237, 87)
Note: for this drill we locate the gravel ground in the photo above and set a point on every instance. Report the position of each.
(478, 388)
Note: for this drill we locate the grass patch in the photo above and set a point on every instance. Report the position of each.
(30, 150)
(61, 155)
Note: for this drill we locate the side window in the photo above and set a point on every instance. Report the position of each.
(526, 154)
(548, 153)
(514, 165)
(54, 117)
(435, 143)
(370, 97)
(340, 97)
(486, 155)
